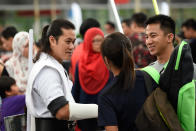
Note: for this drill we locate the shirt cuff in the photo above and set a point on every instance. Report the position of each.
(56, 104)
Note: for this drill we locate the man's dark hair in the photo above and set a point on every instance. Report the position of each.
(5, 85)
(55, 30)
(190, 23)
(139, 19)
(8, 32)
(87, 24)
(126, 21)
(111, 24)
(167, 24)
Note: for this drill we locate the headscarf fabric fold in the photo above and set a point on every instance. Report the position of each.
(93, 74)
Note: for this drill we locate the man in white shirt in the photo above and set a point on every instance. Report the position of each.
(49, 97)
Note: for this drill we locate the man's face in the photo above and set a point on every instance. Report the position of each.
(7, 43)
(187, 32)
(126, 29)
(108, 29)
(63, 47)
(156, 39)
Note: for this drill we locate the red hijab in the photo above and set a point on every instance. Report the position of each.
(93, 74)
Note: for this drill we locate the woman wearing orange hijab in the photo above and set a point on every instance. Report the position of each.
(91, 75)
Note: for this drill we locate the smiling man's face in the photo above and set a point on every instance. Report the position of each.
(63, 47)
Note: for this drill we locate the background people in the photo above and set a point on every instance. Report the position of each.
(12, 102)
(126, 25)
(7, 36)
(141, 53)
(189, 29)
(91, 75)
(77, 53)
(17, 65)
(109, 27)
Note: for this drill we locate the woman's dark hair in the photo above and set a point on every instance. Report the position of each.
(55, 30)
(117, 48)
(5, 85)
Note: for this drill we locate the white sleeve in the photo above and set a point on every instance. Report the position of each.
(82, 111)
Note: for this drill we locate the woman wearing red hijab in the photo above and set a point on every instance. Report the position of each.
(91, 75)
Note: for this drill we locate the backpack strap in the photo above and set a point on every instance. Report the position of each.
(179, 54)
(148, 82)
(152, 72)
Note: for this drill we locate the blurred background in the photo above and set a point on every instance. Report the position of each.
(26, 14)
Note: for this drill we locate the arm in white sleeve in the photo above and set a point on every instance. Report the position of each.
(82, 111)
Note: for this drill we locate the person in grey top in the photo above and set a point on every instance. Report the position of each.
(160, 35)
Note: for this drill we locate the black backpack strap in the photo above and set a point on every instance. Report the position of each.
(148, 82)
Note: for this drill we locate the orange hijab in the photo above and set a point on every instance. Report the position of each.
(93, 74)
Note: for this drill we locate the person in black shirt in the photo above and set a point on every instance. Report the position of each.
(189, 30)
(121, 100)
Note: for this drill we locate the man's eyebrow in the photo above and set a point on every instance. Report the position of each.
(152, 33)
(69, 38)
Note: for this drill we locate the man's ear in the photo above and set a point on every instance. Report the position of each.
(52, 41)
(170, 37)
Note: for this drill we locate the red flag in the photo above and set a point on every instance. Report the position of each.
(121, 1)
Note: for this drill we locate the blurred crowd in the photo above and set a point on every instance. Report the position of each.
(97, 61)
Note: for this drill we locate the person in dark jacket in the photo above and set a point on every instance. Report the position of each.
(120, 102)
